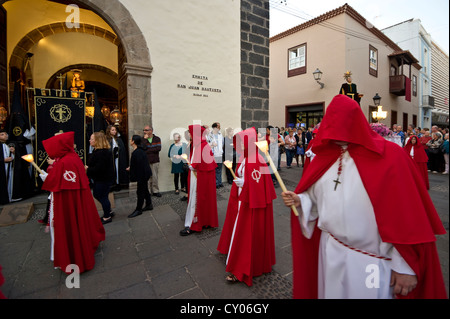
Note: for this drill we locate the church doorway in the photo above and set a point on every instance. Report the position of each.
(39, 48)
(304, 115)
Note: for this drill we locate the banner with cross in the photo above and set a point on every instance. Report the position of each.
(56, 114)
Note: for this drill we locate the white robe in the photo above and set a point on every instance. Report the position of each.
(240, 174)
(190, 211)
(51, 222)
(348, 214)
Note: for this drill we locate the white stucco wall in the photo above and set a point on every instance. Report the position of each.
(187, 38)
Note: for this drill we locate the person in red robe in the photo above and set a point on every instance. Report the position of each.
(405, 216)
(77, 229)
(248, 232)
(416, 151)
(202, 201)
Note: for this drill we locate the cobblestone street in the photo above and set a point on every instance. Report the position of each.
(145, 257)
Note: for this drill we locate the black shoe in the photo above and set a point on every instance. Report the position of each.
(184, 199)
(157, 194)
(186, 232)
(112, 214)
(148, 207)
(135, 213)
(106, 221)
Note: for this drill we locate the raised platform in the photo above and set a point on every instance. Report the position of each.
(16, 213)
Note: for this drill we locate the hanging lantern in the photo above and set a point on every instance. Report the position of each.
(116, 117)
(106, 111)
(90, 111)
(3, 114)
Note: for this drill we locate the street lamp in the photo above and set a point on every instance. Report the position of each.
(380, 114)
(318, 76)
(376, 99)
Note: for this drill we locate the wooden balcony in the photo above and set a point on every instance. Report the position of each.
(397, 85)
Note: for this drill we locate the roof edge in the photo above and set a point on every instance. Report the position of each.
(346, 8)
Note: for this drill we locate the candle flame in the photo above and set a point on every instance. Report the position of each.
(184, 156)
(263, 146)
(228, 164)
(29, 158)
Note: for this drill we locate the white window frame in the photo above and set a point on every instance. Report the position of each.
(299, 58)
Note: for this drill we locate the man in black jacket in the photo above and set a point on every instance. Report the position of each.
(152, 147)
(140, 172)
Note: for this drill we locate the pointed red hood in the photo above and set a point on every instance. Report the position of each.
(197, 134)
(244, 144)
(419, 151)
(344, 121)
(68, 172)
(405, 216)
(255, 192)
(203, 159)
(59, 145)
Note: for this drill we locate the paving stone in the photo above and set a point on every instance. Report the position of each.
(146, 258)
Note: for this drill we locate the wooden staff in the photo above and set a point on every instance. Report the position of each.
(185, 157)
(29, 158)
(229, 165)
(264, 147)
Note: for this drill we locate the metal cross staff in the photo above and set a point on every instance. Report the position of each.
(60, 77)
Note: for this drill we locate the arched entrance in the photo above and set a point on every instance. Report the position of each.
(134, 61)
(134, 67)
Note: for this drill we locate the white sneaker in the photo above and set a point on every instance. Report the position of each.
(434, 172)
(445, 173)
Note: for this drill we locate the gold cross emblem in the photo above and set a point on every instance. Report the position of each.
(60, 113)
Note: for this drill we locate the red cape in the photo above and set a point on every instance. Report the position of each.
(253, 249)
(406, 216)
(203, 162)
(77, 225)
(2, 281)
(420, 158)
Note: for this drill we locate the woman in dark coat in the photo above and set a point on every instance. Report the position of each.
(100, 171)
(140, 172)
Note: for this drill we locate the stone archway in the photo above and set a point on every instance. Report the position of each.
(19, 54)
(134, 71)
(134, 64)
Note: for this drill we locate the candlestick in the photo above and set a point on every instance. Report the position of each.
(29, 158)
(264, 147)
(229, 165)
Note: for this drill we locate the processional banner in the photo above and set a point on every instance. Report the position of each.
(56, 114)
